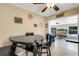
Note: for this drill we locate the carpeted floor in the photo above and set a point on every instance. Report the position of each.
(4, 51)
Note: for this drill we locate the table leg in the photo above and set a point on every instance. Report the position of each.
(39, 51)
(34, 51)
(13, 49)
(26, 51)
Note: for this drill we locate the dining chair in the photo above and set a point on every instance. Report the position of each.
(45, 46)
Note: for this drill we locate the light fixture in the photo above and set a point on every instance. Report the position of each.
(50, 5)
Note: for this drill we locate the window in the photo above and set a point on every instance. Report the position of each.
(73, 30)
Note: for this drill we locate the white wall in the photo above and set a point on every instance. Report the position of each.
(63, 22)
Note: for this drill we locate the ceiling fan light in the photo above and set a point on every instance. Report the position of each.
(50, 5)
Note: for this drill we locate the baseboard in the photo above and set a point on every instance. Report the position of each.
(72, 41)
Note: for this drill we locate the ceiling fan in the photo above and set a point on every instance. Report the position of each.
(49, 5)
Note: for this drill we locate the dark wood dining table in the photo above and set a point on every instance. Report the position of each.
(25, 40)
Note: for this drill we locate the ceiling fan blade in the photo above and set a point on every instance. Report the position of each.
(44, 9)
(56, 8)
(38, 3)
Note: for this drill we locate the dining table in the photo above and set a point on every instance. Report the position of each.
(25, 40)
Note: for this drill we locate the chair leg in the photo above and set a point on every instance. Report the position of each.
(26, 53)
(13, 49)
(49, 52)
(41, 51)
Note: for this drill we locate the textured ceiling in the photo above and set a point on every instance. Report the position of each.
(37, 8)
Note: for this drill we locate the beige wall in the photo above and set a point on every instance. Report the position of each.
(9, 28)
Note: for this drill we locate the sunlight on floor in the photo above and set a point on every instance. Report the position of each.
(63, 48)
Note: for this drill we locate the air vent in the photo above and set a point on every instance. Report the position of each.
(60, 15)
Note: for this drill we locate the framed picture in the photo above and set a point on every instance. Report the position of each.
(46, 25)
(18, 20)
(30, 16)
(35, 25)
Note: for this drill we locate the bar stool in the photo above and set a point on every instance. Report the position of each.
(45, 46)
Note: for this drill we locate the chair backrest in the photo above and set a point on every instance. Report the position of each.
(50, 39)
(31, 34)
(47, 37)
(27, 34)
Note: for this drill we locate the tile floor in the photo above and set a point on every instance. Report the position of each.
(63, 48)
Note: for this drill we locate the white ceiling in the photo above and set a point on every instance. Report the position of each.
(37, 8)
